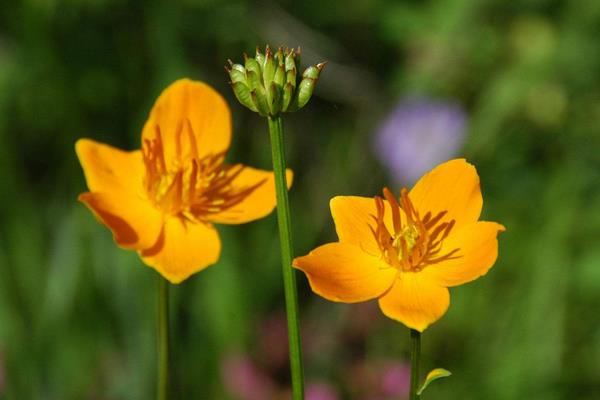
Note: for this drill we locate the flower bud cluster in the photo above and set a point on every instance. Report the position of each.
(268, 83)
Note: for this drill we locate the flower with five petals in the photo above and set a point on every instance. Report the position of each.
(407, 251)
(162, 200)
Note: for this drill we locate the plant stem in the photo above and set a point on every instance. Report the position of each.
(415, 355)
(285, 238)
(162, 388)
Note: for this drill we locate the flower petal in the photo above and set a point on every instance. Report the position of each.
(135, 223)
(353, 217)
(478, 250)
(108, 169)
(183, 249)
(192, 117)
(415, 301)
(453, 187)
(259, 199)
(342, 272)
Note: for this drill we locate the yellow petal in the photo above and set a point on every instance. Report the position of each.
(353, 217)
(453, 187)
(134, 222)
(259, 199)
(191, 116)
(478, 250)
(415, 301)
(183, 249)
(108, 169)
(342, 272)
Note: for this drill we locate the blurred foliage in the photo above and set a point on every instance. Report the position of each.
(77, 314)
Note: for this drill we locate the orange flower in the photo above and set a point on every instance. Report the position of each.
(407, 252)
(162, 200)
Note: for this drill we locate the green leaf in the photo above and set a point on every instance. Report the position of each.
(432, 376)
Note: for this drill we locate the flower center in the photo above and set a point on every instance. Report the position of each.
(414, 243)
(190, 186)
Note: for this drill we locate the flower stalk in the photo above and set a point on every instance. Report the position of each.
(270, 85)
(162, 381)
(415, 355)
(285, 238)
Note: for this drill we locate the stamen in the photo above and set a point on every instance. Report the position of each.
(190, 186)
(159, 151)
(435, 220)
(193, 178)
(395, 209)
(418, 243)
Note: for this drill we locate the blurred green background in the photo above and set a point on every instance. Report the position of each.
(77, 314)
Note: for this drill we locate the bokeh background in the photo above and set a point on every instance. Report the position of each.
(512, 86)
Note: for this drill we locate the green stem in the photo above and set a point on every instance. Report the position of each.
(415, 355)
(162, 388)
(285, 238)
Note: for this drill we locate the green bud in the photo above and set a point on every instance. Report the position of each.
(269, 82)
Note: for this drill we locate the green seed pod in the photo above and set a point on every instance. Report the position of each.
(259, 98)
(275, 97)
(242, 93)
(305, 91)
(311, 72)
(291, 77)
(290, 61)
(253, 80)
(279, 77)
(269, 82)
(237, 74)
(288, 94)
(260, 58)
(253, 66)
(306, 87)
(269, 68)
(280, 57)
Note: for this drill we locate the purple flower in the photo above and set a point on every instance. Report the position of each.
(419, 134)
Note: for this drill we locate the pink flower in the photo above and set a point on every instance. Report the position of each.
(244, 380)
(321, 391)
